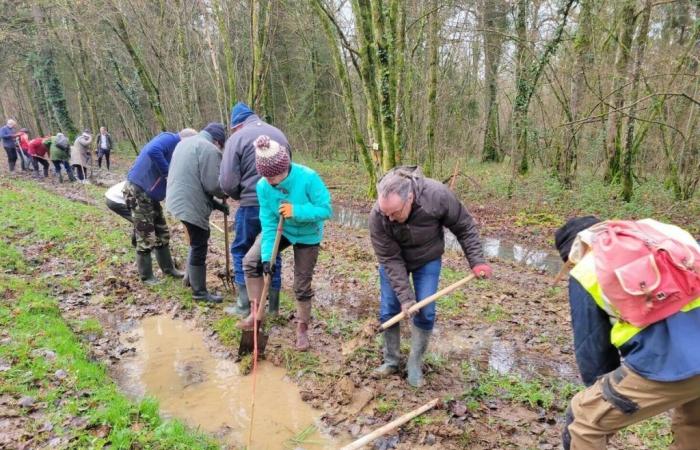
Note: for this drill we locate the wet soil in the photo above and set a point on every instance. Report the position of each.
(517, 323)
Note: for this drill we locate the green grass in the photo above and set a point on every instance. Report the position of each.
(229, 333)
(32, 321)
(654, 433)
(384, 406)
(302, 438)
(83, 239)
(300, 363)
(511, 387)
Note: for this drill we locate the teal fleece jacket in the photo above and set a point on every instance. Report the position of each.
(311, 206)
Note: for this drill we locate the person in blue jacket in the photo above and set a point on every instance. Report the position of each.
(143, 192)
(631, 373)
(8, 134)
(297, 194)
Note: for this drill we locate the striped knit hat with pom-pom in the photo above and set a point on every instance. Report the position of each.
(271, 158)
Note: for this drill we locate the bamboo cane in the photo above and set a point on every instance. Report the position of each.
(397, 318)
(364, 440)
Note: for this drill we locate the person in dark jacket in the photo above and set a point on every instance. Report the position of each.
(406, 229)
(238, 178)
(143, 192)
(631, 373)
(192, 185)
(103, 141)
(7, 134)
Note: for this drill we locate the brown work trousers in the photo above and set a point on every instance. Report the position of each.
(621, 398)
(305, 257)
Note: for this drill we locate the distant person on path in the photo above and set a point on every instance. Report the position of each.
(80, 156)
(23, 149)
(192, 185)
(298, 194)
(238, 179)
(59, 148)
(406, 229)
(39, 153)
(104, 147)
(143, 192)
(632, 373)
(7, 134)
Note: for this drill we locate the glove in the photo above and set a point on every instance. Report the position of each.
(482, 271)
(223, 207)
(405, 309)
(286, 210)
(267, 268)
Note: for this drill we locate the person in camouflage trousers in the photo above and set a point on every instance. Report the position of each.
(143, 192)
(149, 221)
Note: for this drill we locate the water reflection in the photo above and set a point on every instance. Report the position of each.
(493, 247)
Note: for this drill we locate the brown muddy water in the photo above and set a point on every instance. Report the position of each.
(172, 363)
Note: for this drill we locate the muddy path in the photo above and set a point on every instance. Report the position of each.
(501, 354)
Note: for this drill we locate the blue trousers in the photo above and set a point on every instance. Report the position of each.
(425, 283)
(246, 229)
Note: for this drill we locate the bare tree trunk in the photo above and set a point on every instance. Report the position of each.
(630, 147)
(493, 24)
(144, 74)
(228, 52)
(584, 59)
(350, 113)
(613, 142)
(433, 61)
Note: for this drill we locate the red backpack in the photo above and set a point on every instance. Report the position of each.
(647, 270)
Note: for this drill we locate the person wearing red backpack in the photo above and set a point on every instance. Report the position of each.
(631, 372)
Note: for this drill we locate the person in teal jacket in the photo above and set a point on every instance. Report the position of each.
(298, 194)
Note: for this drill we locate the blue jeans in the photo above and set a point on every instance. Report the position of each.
(246, 230)
(425, 283)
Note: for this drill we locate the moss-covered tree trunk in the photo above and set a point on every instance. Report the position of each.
(494, 22)
(624, 42)
(433, 61)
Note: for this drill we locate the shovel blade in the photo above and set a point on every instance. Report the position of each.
(247, 344)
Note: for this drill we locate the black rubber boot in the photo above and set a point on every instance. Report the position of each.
(273, 302)
(165, 261)
(145, 268)
(198, 281)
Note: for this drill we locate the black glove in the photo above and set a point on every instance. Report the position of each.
(223, 207)
(268, 269)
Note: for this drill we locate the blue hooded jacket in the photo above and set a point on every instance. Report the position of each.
(150, 170)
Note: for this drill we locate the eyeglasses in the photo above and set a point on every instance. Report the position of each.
(395, 215)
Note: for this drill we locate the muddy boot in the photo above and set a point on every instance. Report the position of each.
(145, 268)
(242, 306)
(273, 302)
(198, 281)
(392, 353)
(165, 261)
(419, 343)
(303, 319)
(253, 287)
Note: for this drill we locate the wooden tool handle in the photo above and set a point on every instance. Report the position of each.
(364, 440)
(426, 301)
(273, 258)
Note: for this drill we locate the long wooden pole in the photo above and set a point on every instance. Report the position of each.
(364, 440)
(397, 318)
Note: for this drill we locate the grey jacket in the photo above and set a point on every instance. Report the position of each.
(193, 178)
(404, 247)
(238, 175)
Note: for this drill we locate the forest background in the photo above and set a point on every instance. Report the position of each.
(573, 93)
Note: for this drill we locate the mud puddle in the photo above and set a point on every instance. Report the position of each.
(493, 247)
(172, 363)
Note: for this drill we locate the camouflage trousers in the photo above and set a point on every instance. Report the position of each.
(149, 222)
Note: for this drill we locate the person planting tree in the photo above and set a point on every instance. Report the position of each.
(296, 193)
(406, 229)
